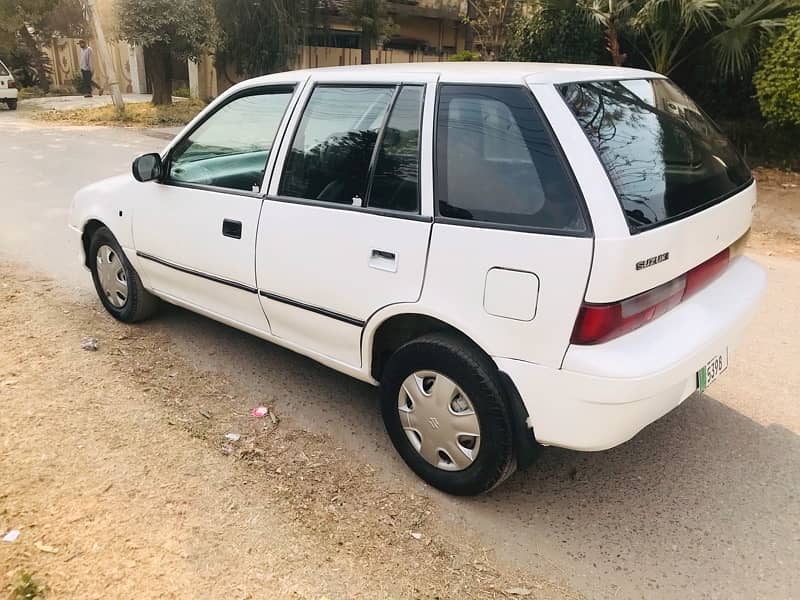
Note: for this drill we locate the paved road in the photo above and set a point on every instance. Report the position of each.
(702, 504)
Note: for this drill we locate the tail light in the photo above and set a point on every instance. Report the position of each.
(12, 84)
(599, 323)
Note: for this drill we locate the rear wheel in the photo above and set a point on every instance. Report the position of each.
(12, 104)
(446, 414)
(117, 283)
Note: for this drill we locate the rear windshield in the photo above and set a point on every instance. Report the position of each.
(664, 156)
(3, 71)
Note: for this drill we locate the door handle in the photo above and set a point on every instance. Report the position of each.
(383, 260)
(232, 229)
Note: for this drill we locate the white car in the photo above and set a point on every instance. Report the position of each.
(518, 254)
(8, 87)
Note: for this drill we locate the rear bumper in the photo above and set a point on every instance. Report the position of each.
(606, 394)
(9, 94)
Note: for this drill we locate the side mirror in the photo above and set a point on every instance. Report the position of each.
(147, 167)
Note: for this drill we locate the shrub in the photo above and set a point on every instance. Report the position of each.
(777, 81)
(557, 35)
(464, 56)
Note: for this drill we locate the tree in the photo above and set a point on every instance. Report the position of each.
(674, 31)
(553, 34)
(613, 16)
(26, 24)
(667, 33)
(372, 20)
(777, 80)
(167, 30)
(489, 21)
(262, 37)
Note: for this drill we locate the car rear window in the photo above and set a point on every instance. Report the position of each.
(3, 71)
(664, 156)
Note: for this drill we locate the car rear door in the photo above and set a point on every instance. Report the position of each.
(342, 233)
(511, 247)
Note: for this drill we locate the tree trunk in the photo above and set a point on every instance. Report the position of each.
(158, 65)
(469, 36)
(617, 58)
(366, 49)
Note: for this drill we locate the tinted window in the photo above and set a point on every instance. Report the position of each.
(664, 156)
(332, 150)
(230, 149)
(395, 184)
(496, 161)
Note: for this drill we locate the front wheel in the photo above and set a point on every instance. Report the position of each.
(446, 414)
(117, 283)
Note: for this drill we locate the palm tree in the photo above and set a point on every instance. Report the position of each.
(732, 30)
(612, 16)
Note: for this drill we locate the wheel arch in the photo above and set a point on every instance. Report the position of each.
(386, 333)
(87, 232)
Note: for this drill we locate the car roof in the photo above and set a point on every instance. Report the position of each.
(470, 72)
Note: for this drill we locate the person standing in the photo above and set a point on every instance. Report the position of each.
(87, 67)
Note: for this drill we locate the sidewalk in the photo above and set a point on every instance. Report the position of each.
(77, 102)
(71, 102)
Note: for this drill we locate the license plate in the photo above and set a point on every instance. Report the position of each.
(713, 369)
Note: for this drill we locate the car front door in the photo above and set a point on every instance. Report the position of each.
(343, 232)
(195, 230)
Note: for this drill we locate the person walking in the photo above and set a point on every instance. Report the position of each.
(86, 64)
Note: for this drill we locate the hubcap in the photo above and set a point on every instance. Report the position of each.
(439, 420)
(111, 275)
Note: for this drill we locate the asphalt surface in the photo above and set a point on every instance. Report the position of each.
(702, 504)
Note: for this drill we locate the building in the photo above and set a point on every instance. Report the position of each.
(424, 30)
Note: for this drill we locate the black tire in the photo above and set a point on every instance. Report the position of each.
(12, 104)
(140, 304)
(475, 374)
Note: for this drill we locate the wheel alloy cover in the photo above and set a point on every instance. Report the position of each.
(111, 276)
(439, 420)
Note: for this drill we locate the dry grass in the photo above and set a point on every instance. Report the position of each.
(118, 461)
(142, 114)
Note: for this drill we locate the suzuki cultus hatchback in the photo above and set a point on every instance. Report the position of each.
(517, 254)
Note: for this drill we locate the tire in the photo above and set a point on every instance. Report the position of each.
(136, 303)
(12, 104)
(431, 357)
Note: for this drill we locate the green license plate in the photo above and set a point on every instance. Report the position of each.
(713, 369)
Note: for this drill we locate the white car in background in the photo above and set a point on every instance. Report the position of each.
(8, 87)
(518, 254)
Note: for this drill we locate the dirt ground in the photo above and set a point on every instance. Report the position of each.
(776, 223)
(117, 472)
(118, 475)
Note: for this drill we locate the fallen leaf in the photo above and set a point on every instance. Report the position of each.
(46, 548)
(518, 591)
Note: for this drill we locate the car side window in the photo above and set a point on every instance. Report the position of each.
(497, 163)
(230, 149)
(395, 181)
(331, 153)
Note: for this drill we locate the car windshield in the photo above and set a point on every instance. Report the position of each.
(664, 156)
